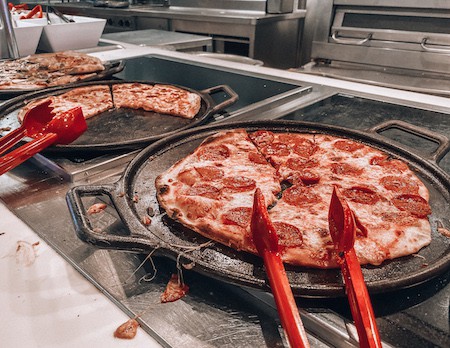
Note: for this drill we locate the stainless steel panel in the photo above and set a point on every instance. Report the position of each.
(444, 4)
(393, 26)
(376, 56)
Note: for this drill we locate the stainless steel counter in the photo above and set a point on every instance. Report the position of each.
(215, 313)
(161, 38)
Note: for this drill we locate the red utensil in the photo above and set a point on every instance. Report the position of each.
(266, 242)
(342, 226)
(45, 128)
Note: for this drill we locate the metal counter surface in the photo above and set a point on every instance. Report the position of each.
(214, 313)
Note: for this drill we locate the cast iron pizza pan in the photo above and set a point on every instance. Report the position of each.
(123, 128)
(134, 194)
(111, 68)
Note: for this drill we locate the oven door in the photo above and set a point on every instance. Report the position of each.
(407, 38)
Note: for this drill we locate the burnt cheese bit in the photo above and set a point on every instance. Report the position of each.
(164, 189)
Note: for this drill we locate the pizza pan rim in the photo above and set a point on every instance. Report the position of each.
(307, 290)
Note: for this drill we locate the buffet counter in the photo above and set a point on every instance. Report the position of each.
(79, 293)
(47, 303)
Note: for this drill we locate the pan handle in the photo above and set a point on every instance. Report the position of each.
(132, 242)
(233, 97)
(442, 141)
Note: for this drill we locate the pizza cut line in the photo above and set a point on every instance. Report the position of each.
(95, 99)
(211, 192)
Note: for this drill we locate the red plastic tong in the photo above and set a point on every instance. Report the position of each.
(266, 242)
(45, 128)
(342, 226)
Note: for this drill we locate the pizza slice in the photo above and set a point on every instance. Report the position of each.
(389, 200)
(92, 99)
(163, 99)
(211, 190)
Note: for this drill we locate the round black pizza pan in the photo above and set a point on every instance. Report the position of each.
(120, 129)
(134, 194)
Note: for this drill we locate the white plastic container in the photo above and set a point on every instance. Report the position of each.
(27, 38)
(60, 36)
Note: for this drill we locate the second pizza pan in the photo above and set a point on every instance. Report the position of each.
(123, 128)
(135, 194)
(110, 70)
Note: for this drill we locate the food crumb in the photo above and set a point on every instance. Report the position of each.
(127, 330)
(96, 208)
(26, 253)
(146, 220)
(444, 231)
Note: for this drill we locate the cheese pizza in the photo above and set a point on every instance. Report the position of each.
(95, 99)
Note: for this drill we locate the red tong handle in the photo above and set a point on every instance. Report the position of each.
(360, 304)
(284, 300)
(35, 10)
(10, 139)
(21, 154)
(342, 229)
(266, 242)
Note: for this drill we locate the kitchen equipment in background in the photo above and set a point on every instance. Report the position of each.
(401, 44)
(162, 38)
(236, 27)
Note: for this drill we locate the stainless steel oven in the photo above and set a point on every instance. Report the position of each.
(379, 40)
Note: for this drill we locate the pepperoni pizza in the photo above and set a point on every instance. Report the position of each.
(211, 190)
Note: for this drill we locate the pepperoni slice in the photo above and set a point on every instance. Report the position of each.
(304, 147)
(361, 194)
(204, 190)
(257, 158)
(239, 183)
(288, 235)
(300, 195)
(378, 160)
(298, 163)
(188, 177)
(240, 216)
(305, 177)
(347, 145)
(276, 149)
(399, 184)
(345, 169)
(214, 153)
(262, 138)
(384, 161)
(413, 204)
(210, 173)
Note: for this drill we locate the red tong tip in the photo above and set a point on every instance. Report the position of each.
(264, 234)
(341, 221)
